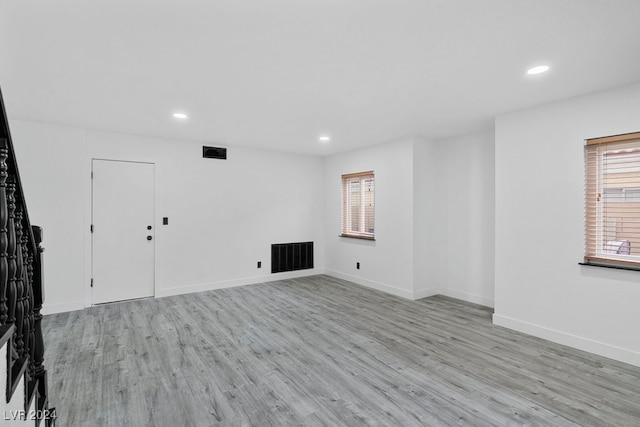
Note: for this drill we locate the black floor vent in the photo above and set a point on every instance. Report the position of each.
(291, 256)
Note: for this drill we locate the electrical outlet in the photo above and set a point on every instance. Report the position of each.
(259, 264)
(357, 266)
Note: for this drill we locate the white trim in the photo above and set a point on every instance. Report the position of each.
(371, 284)
(62, 307)
(564, 338)
(87, 169)
(200, 287)
(468, 297)
(425, 293)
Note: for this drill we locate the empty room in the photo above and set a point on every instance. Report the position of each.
(341, 213)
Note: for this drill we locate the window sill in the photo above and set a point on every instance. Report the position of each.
(617, 267)
(351, 236)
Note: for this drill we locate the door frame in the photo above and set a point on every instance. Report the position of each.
(88, 297)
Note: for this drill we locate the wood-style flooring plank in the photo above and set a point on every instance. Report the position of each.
(323, 352)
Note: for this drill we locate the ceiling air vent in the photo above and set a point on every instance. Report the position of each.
(214, 152)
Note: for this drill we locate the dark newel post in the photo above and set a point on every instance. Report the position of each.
(11, 253)
(19, 333)
(4, 213)
(38, 298)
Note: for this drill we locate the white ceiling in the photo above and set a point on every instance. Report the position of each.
(276, 74)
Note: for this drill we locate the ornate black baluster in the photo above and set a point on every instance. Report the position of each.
(11, 252)
(19, 333)
(31, 342)
(4, 213)
(12, 256)
(26, 299)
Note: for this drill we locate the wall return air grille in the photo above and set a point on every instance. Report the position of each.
(291, 256)
(214, 153)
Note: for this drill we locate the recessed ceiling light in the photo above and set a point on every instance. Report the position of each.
(180, 115)
(324, 138)
(538, 70)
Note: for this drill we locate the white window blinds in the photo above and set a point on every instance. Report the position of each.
(612, 200)
(358, 205)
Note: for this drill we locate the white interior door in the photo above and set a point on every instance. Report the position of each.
(123, 238)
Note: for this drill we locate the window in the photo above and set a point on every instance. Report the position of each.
(612, 201)
(358, 205)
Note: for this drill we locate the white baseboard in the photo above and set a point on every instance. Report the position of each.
(465, 296)
(200, 287)
(61, 308)
(570, 340)
(425, 293)
(371, 284)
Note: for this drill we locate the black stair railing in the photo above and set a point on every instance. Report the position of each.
(21, 291)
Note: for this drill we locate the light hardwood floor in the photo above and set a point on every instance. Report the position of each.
(321, 351)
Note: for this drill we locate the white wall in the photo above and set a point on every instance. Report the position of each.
(386, 263)
(429, 226)
(467, 247)
(434, 218)
(540, 289)
(51, 160)
(223, 215)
